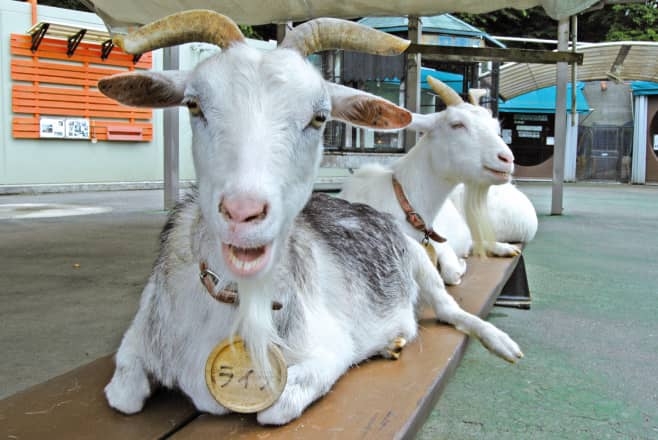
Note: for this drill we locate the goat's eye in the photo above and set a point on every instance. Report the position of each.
(194, 108)
(318, 120)
(456, 125)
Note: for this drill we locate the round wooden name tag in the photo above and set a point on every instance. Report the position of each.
(234, 382)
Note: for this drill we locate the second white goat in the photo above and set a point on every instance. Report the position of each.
(459, 144)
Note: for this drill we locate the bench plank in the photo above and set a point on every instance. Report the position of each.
(73, 406)
(381, 399)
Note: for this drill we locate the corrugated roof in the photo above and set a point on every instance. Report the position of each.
(619, 61)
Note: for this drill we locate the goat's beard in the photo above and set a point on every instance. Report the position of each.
(255, 324)
(476, 212)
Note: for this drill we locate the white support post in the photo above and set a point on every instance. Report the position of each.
(560, 120)
(412, 80)
(571, 148)
(639, 161)
(171, 138)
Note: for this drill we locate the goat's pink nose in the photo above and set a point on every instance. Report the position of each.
(506, 157)
(243, 209)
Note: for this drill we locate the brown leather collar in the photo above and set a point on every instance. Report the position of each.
(412, 216)
(229, 296)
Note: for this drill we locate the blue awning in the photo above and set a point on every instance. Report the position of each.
(453, 80)
(543, 101)
(644, 88)
(537, 101)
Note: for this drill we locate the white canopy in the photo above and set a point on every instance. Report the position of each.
(120, 15)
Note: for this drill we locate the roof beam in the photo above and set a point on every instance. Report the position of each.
(618, 65)
(477, 54)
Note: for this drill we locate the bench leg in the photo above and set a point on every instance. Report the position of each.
(516, 291)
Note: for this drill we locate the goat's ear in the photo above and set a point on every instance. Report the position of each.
(421, 122)
(366, 110)
(145, 89)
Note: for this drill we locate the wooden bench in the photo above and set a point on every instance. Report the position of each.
(379, 399)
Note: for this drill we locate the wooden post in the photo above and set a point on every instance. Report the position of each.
(559, 148)
(412, 80)
(171, 138)
(281, 30)
(35, 15)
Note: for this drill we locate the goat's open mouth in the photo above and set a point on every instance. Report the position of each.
(246, 262)
(502, 175)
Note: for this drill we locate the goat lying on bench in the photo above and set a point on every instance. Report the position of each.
(346, 283)
(460, 144)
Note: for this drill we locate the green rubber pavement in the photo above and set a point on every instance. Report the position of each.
(590, 338)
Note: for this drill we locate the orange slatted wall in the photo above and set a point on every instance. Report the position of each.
(49, 83)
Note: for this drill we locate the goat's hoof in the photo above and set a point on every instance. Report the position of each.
(123, 399)
(452, 274)
(504, 250)
(394, 349)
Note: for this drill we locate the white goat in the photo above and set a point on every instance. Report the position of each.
(345, 279)
(460, 144)
(513, 217)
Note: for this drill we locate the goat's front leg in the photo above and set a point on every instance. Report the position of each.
(451, 267)
(130, 385)
(447, 310)
(307, 382)
(500, 249)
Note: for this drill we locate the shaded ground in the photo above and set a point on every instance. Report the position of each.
(69, 287)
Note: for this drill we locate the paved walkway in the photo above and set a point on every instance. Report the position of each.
(590, 339)
(69, 286)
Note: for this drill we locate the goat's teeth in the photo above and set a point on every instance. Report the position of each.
(242, 264)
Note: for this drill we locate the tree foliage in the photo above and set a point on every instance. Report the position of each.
(66, 4)
(622, 22)
(631, 22)
(528, 23)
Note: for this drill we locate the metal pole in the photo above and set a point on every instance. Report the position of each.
(574, 69)
(560, 120)
(171, 138)
(412, 82)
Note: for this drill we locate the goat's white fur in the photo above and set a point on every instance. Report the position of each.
(513, 217)
(253, 141)
(460, 144)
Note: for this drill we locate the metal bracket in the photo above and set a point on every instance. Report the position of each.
(516, 291)
(37, 36)
(106, 48)
(74, 41)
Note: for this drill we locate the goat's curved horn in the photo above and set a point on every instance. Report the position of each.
(196, 25)
(332, 33)
(447, 95)
(474, 95)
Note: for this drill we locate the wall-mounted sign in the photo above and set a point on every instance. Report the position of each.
(52, 128)
(529, 135)
(73, 128)
(77, 128)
